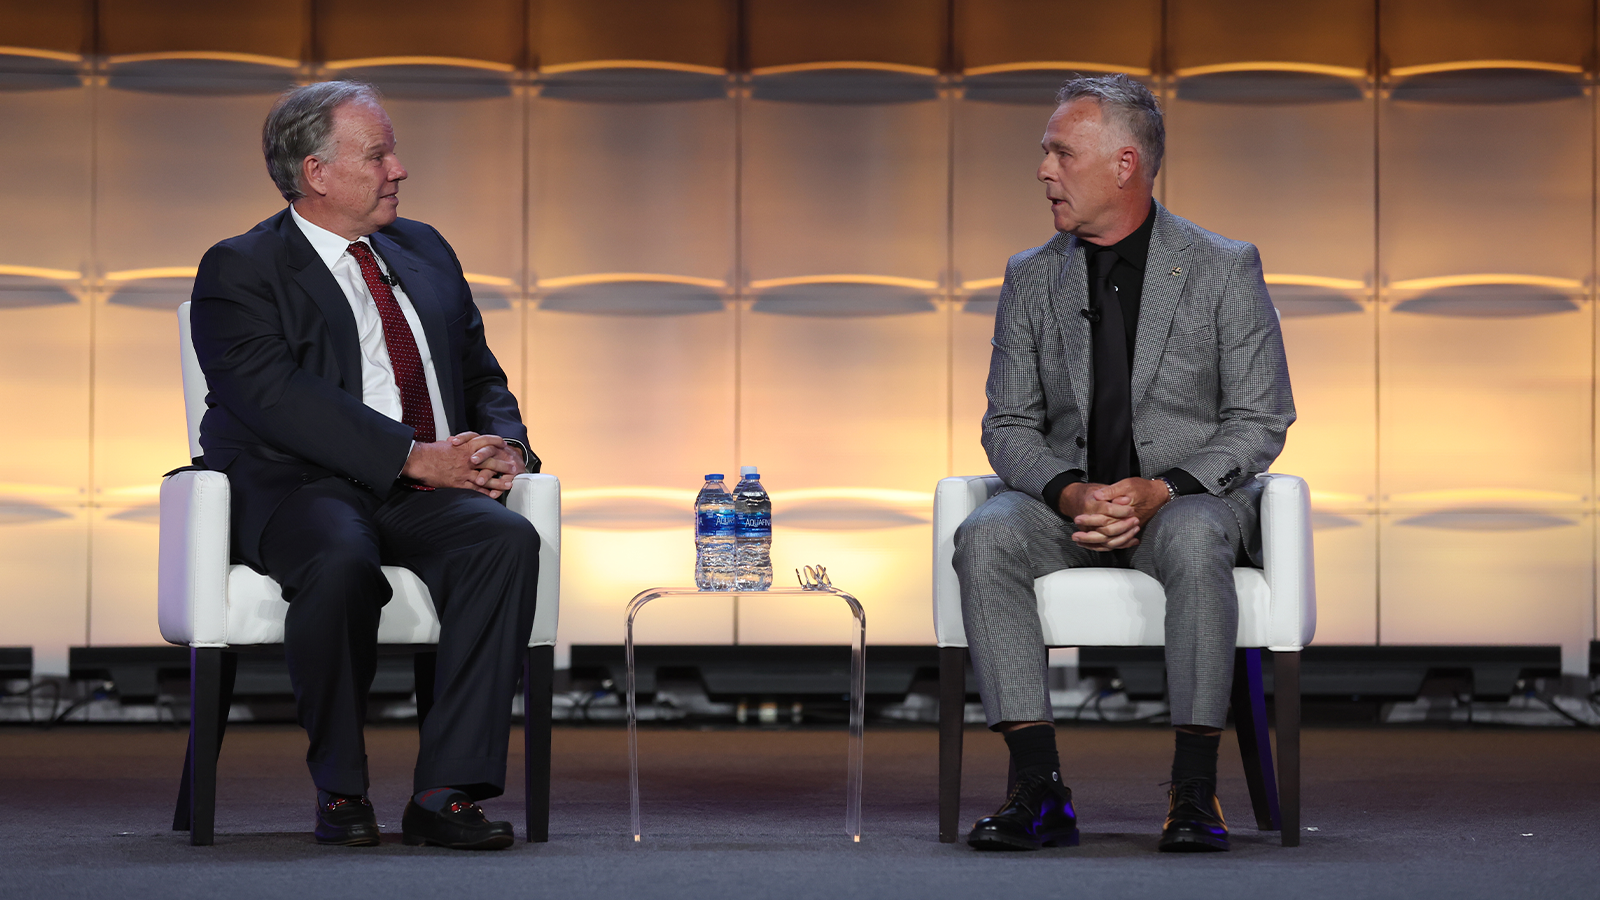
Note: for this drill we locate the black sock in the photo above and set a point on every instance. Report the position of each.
(1033, 750)
(1196, 756)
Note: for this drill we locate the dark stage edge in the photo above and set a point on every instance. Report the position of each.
(759, 814)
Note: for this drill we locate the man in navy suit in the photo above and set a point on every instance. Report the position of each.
(362, 421)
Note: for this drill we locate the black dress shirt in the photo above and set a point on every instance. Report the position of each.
(1128, 278)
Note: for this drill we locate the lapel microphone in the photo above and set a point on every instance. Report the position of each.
(1093, 315)
(385, 271)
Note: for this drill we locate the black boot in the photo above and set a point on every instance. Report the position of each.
(1037, 814)
(1194, 818)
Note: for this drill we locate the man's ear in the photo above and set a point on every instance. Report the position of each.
(1127, 164)
(314, 176)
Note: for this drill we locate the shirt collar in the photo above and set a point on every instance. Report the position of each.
(329, 246)
(1135, 248)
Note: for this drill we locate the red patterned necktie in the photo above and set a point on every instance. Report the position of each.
(416, 408)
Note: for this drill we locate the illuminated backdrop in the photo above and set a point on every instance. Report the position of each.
(706, 233)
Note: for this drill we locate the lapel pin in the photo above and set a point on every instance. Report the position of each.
(1177, 270)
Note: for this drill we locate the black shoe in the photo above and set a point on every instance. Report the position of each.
(1194, 818)
(1037, 814)
(461, 825)
(347, 822)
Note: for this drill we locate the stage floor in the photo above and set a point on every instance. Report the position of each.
(1389, 812)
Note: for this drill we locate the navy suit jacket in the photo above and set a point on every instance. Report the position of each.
(278, 344)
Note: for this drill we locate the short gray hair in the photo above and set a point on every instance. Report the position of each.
(1129, 104)
(301, 125)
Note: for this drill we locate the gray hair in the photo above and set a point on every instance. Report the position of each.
(301, 125)
(1129, 104)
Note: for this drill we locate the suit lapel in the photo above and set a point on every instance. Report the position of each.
(425, 300)
(1165, 272)
(1069, 295)
(318, 282)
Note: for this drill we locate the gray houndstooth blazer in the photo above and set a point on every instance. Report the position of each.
(1210, 382)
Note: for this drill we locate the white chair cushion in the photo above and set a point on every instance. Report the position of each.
(256, 609)
(1124, 608)
(205, 602)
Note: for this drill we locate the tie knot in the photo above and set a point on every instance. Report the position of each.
(359, 250)
(1103, 259)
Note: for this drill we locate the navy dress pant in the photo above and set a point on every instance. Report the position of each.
(325, 545)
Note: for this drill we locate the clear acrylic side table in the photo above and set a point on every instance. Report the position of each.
(858, 691)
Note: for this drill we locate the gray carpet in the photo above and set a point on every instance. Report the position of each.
(748, 813)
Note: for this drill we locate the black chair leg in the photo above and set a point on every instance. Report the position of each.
(180, 814)
(211, 678)
(952, 719)
(1250, 725)
(424, 666)
(537, 684)
(1286, 703)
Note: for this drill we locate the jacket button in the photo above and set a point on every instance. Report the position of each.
(1081, 442)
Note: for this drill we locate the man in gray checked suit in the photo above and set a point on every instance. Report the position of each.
(1137, 386)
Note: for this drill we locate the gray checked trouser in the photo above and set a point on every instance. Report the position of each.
(1190, 547)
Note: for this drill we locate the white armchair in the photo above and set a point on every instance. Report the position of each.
(217, 608)
(1126, 608)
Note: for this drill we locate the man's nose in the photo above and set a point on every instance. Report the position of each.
(397, 171)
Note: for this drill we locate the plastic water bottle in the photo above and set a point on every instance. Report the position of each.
(752, 528)
(713, 536)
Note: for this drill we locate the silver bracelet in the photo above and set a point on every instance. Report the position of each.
(1172, 489)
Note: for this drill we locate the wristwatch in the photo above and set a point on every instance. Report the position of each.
(527, 457)
(1172, 489)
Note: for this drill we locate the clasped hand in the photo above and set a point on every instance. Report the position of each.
(476, 462)
(1110, 516)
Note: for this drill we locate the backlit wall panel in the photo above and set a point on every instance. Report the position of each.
(707, 233)
(45, 291)
(643, 188)
(1270, 128)
(579, 35)
(631, 347)
(1446, 581)
(45, 256)
(1345, 548)
(907, 33)
(417, 32)
(845, 189)
(43, 553)
(1486, 326)
(202, 28)
(1245, 37)
(1446, 33)
(1023, 38)
(843, 373)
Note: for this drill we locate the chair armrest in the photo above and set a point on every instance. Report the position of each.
(537, 498)
(954, 499)
(192, 579)
(1287, 556)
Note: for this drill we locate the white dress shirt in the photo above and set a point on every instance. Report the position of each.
(378, 387)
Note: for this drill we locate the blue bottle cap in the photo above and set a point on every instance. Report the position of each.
(714, 477)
